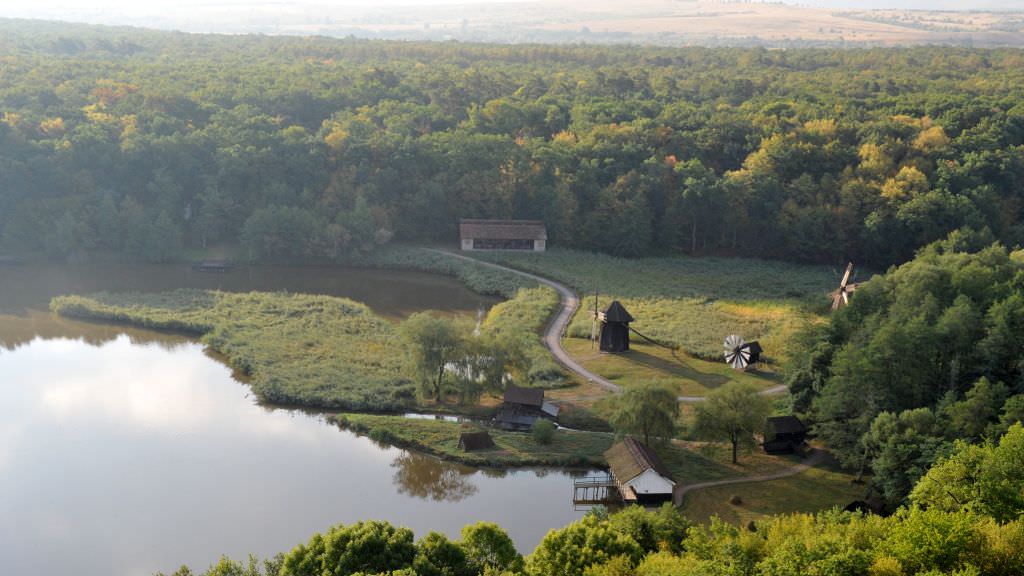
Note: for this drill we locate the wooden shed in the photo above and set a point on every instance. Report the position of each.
(784, 434)
(639, 473)
(522, 407)
(528, 235)
(473, 441)
(615, 328)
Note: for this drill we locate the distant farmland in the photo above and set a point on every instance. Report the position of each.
(658, 22)
(684, 22)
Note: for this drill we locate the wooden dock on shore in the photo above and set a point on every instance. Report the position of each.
(593, 490)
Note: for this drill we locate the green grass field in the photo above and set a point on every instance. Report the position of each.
(818, 488)
(692, 462)
(644, 363)
(690, 302)
(441, 438)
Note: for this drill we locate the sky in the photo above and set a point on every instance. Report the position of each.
(7, 6)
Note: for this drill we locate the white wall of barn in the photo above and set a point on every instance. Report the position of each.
(650, 482)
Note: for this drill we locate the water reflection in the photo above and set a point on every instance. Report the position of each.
(129, 457)
(19, 329)
(426, 477)
(391, 293)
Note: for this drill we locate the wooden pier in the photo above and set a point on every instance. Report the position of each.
(594, 490)
(214, 266)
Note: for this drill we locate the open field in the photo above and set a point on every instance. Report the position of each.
(663, 22)
(817, 488)
(688, 376)
(690, 302)
(695, 462)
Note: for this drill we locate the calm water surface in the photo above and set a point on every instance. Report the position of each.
(124, 451)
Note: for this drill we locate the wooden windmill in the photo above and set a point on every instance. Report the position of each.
(841, 296)
(740, 354)
(610, 329)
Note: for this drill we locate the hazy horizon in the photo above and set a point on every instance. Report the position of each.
(647, 22)
(75, 6)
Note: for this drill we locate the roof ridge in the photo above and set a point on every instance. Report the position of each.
(639, 452)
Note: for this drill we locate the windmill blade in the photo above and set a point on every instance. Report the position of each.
(846, 297)
(837, 300)
(740, 361)
(736, 354)
(846, 276)
(732, 342)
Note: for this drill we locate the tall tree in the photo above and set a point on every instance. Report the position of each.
(648, 410)
(435, 343)
(734, 412)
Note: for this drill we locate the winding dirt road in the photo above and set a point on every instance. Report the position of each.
(555, 331)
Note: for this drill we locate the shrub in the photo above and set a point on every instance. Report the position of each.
(543, 432)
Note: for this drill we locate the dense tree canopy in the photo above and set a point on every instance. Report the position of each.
(142, 143)
(931, 541)
(924, 355)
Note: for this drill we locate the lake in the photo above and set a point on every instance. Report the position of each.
(124, 451)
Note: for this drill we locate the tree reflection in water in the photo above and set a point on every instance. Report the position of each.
(426, 477)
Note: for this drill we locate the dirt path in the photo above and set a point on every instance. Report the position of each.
(553, 334)
(555, 331)
(816, 457)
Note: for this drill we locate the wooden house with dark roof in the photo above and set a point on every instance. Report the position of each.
(784, 434)
(639, 474)
(614, 328)
(473, 441)
(522, 407)
(530, 235)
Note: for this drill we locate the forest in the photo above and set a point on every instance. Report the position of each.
(151, 145)
(925, 357)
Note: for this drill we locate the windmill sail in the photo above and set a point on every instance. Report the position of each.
(736, 354)
(841, 296)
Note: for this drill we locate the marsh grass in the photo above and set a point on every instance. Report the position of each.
(306, 350)
(318, 351)
(521, 320)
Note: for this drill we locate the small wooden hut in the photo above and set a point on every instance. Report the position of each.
(784, 434)
(529, 235)
(614, 328)
(473, 441)
(639, 473)
(871, 505)
(522, 407)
